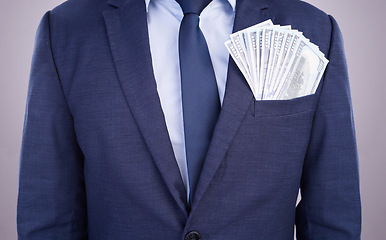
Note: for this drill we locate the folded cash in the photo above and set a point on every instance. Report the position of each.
(277, 62)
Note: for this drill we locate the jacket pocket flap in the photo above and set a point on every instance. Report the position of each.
(271, 108)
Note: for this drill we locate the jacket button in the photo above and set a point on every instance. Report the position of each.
(193, 235)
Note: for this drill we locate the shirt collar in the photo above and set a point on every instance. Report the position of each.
(231, 2)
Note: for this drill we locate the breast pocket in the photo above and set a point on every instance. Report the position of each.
(272, 140)
(276, 108)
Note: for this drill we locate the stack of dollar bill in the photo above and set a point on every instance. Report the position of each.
(277, 62)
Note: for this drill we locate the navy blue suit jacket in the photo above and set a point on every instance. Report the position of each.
(97, 162)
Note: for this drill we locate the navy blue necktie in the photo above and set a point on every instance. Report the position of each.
(200, 98)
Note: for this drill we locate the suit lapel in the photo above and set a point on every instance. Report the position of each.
(237, 99)
(128, 36)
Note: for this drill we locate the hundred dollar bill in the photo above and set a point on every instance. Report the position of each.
(272, 49)
(247, 48)
(258, 84)
(287, 39)
(236, 57)
(274, 64)
(306, 72)
(288, 59)
(276, 45)
(264, 57)
(252, 44)
(239, 46)
(245, 45)
(250, 37)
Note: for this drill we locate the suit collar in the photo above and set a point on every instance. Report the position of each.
(231, 2)
(234, 3)
(118, 3)
(131, 52)
(129, 43)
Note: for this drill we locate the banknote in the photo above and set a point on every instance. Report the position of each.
(246, 44)
(276, 46)
(252, 46)
(277, 62)
(305, 73)
(237, 59)
(287, 40)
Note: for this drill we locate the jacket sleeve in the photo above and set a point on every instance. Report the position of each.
(52, 199)
(330, 207)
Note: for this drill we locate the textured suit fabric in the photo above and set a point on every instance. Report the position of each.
(96, 159)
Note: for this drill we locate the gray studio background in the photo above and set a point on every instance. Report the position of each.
(362, 24)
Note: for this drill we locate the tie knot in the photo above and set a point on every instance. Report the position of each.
(193, 6)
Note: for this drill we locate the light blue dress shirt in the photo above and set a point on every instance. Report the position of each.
(164, 19)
